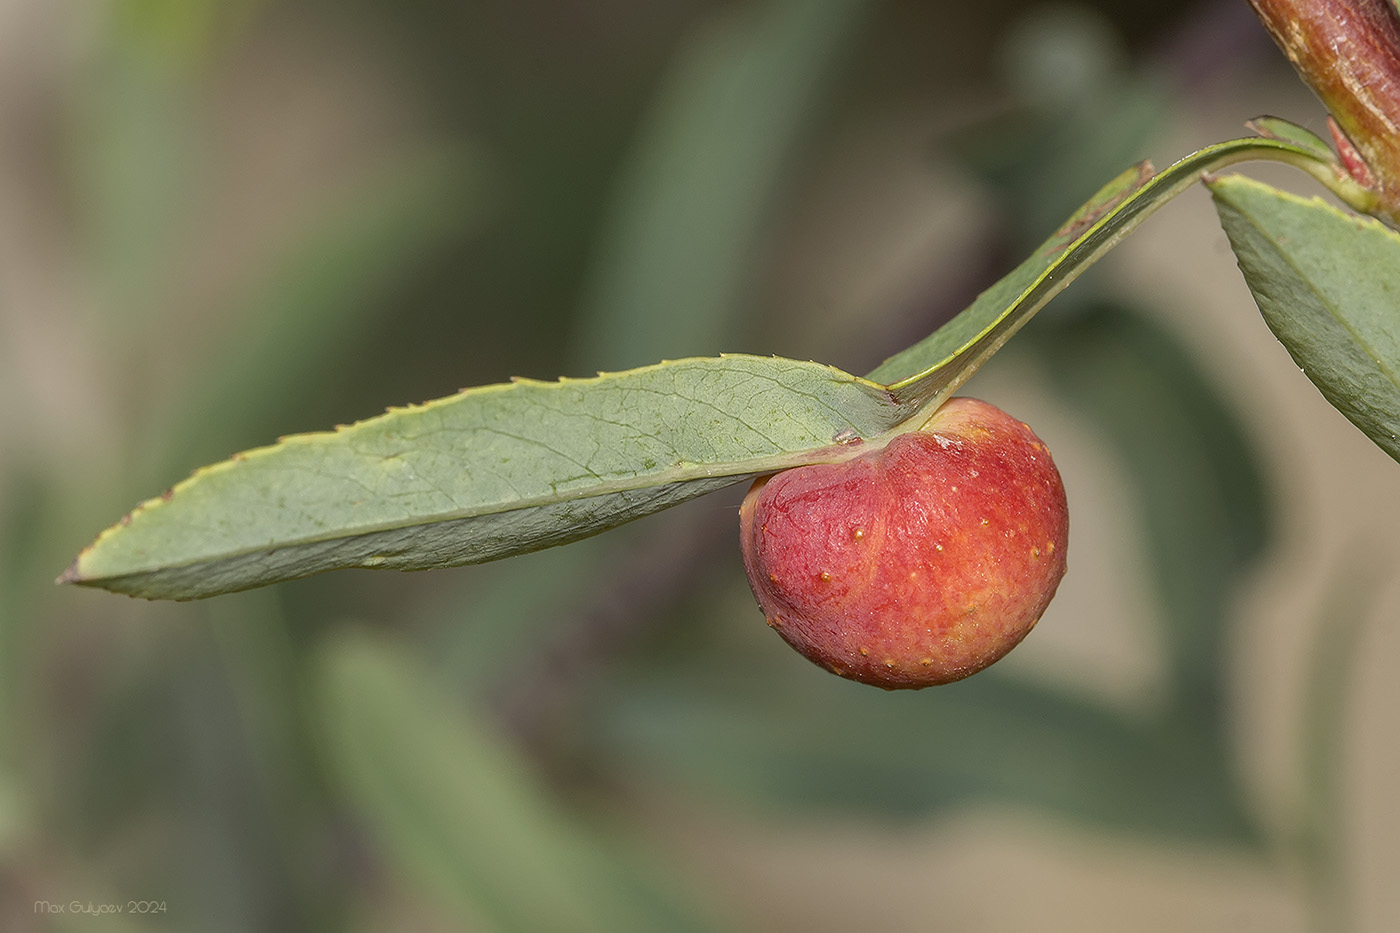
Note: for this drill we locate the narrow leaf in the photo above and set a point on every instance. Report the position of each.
(1328, 285)
(490, 472)
(928, 373)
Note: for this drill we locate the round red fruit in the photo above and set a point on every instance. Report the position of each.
(917, 563)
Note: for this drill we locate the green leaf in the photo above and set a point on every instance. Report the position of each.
(928, 373)
(1328, 285)
(454, 809)
(487, 473)
(507, 469)
(1288, 131)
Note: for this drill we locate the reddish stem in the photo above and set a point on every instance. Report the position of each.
(1348, 52)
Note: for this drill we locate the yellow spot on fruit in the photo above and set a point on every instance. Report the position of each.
(889, 662)
(774, 621)
(825, 576)
(926, 662)
(858, 533)
(954, 489)
(1035, 553)
(938, 547)
(986, 522)
(865, 652)
(772, 578)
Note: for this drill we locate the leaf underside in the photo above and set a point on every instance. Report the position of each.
(506, 469)
(487, 473)
(1328, 285)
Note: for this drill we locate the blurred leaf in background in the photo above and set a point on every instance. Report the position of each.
(460, 813)
(678, 251)
(1079, 112)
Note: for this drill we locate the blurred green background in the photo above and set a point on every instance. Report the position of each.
(221, 222)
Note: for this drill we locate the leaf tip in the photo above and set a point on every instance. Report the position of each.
(71, 574)
(1267, 125)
